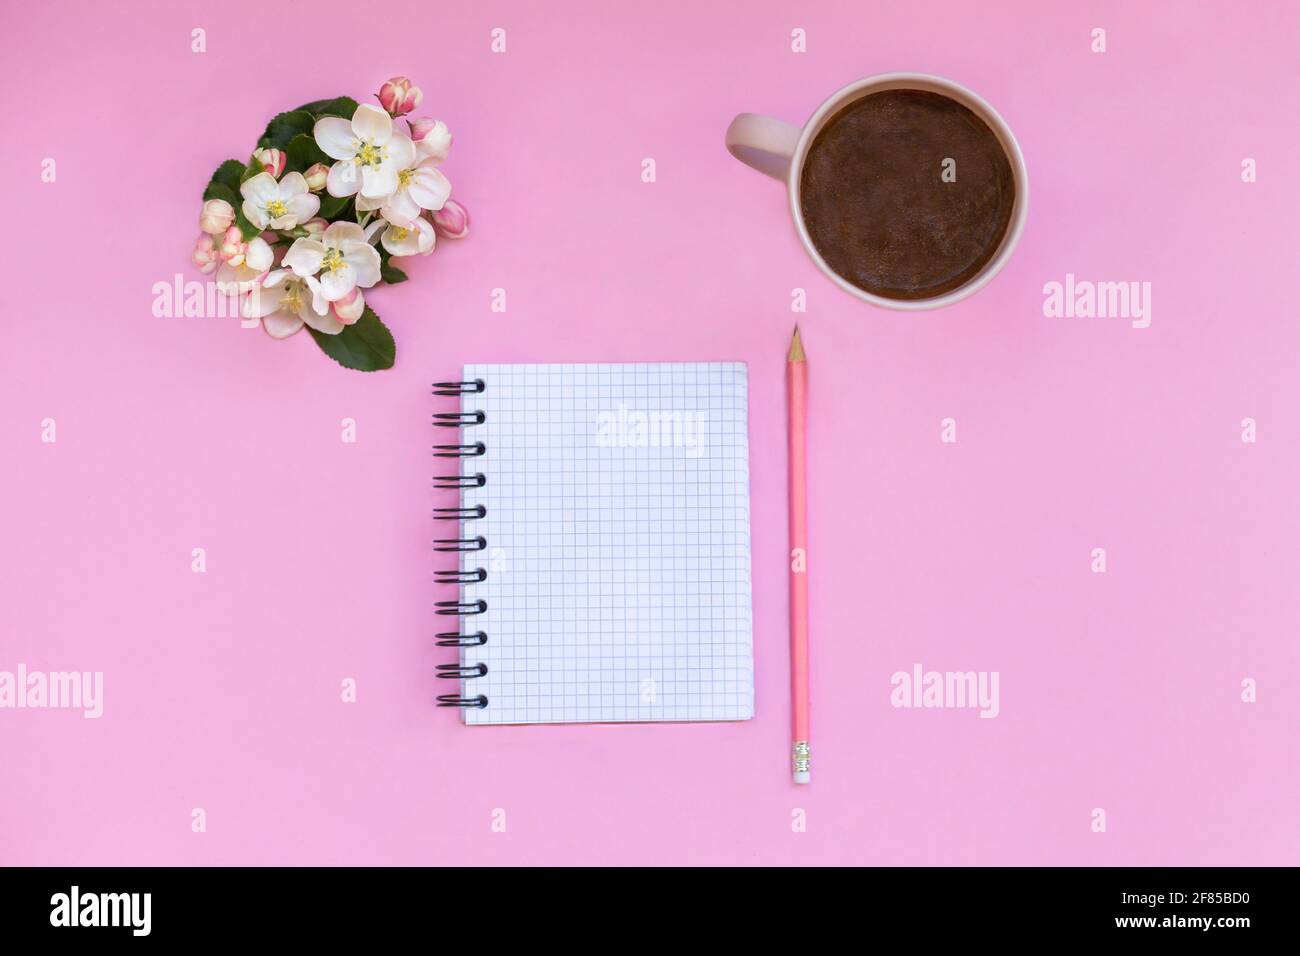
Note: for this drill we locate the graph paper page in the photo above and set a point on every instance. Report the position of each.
(617, 543)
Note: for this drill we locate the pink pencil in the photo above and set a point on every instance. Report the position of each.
(797, 394)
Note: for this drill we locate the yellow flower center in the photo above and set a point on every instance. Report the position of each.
(404, 178)
(292, 300)
(400, 233)
(333, 260)
(276, 208)
(368, 154)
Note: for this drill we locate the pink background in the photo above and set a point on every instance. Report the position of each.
(222, 690)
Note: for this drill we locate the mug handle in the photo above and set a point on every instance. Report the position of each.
(763, 143)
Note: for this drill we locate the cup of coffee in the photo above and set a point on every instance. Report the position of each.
(908, 190)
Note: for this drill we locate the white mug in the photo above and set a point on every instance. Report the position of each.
(779, 150)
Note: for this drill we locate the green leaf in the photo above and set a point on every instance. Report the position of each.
(334, 208)
(245, 227)
(251, 169)
(343, 106)
(284, 127)
(225, 184)
(303, 153)
(387, 271)
(366, 345)
(217, 190)
(227, 175)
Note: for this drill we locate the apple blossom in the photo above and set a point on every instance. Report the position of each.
(205, 254)
(368, 151)
(415, 238)
(299, 269)
(431, 137)
(452, 220)
(272, 160)
(216, 217)
(349, 308)
(259, 255)
(233, 280)
(398, 97)
(282, 205)
(342, 256)
(420, 186)
(246, 262)
(317, 176)
(285, 302)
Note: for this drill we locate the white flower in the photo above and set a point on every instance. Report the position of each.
(282, 205)
(421, 185)
(431, 137)
(369, 153)
(416, 238)
(241, 276)
(284, 302)
(235, 280)
(349, 309)
(342, 256)
(259, 255)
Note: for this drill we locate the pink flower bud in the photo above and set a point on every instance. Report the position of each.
(317, 176)
(451, 221)
(399, 97)
(272, 160)
(233, 247)
(315, 227)
(205, 253)
(216, 217)
(348, 309)
(431, 137)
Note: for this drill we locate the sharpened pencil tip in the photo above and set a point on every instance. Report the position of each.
(796, 348)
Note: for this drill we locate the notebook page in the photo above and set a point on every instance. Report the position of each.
(618, 550)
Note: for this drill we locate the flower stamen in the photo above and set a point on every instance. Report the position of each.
(368, 154)
(292, 301)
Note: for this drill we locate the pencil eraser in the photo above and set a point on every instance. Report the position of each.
(801, 776)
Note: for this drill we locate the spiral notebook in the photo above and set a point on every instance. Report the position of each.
(603, 543)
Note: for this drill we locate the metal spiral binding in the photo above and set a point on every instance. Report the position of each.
(457, 639)
(457, 419)
(455, 514)
(460, 672)
(454, 389)
(453, 482)
(460, 608)
(455, 700)
(456, 576)
(460, 451)
(460, 577)
(460, 544)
